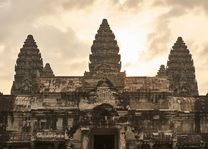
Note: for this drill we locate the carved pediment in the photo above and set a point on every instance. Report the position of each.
(103, 93)
(104, 110)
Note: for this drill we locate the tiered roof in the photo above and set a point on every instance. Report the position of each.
(47, 71)
(181, 70)
(105, 57)
(162, 71)
(29, 66)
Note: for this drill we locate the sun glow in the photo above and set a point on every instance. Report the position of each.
(131, 40)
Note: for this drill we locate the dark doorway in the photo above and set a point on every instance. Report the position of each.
(44, 145)
(145, 146)
(104, 142)
(50, 145)
(162, 146)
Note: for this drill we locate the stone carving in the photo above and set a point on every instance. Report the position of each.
(105, 58)
(103, 93)
(29, 66)
(47, 71)
(104, 50)
(181, 70)
(162, 71)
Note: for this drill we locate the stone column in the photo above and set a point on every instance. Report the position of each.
(85, 138)
(56, 145)
(174, 145)
(130, 138)
(139, 145)
(32, 145)
(122, 141)
(68, 144)
(174, 139)
(151, 144)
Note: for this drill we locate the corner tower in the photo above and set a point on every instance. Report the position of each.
(181, 70)
(105, 58)
(29, 66)
(47, 71)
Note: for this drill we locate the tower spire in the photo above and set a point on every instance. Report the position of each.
(105, 55)
(47, 71)
(29, 66)
(161, 71)
(30, 42)
(181, 70)
(104, 59)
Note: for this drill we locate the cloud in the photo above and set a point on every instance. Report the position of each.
(158, 40)
(19, 18)
(63, 43)
(62, 48)
(77, 4)
(64, 31)
(133, 3)
(201, 69)
(183, 5)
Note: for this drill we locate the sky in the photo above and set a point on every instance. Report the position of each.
(64, 31)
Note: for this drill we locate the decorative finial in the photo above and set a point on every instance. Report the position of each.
(47, 65)
(30, 42)
(105, 22)
(48, 72)
(161, 71)
(180, 39)
(30, 36)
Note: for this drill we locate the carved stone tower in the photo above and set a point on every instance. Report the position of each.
(29, 66)
(105, 58)
(181, 70)
(47, 71)
(162, 71)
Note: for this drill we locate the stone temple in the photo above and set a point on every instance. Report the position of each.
(104, 108)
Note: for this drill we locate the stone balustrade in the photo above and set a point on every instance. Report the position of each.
(48, 135)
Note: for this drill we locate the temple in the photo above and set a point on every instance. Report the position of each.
(104, 108)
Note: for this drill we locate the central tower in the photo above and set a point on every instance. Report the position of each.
(105, 58)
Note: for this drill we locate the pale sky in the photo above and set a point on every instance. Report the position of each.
(65, 29)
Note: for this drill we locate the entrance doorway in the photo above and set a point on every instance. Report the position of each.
(104, 142)
(104, 138)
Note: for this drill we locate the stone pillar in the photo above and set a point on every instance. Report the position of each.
(151, 144)
(32, 145)
(68, 144)
(174, 145)
(131, 145)
(85, 138)
(130, 138)
(56, 145)
(139, 144)
(122, 141)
